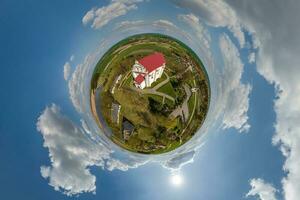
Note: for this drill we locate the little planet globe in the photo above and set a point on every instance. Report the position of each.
(150, 93)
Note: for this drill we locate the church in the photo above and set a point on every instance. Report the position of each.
(148, 69)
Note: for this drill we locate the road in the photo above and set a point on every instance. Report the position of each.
(183, 110)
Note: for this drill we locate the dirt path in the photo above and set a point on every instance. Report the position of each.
(162, 83)
(154, 92)
(154, 89)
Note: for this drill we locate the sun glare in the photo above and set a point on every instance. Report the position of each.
(176, 180)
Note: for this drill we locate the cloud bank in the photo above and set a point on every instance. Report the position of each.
(235, 94)
(278, 62)
(70, 152)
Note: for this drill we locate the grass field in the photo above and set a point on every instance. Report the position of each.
(168, 89)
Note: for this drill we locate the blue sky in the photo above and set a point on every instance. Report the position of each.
(37, 38)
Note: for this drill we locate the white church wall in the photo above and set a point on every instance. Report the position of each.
(149, 78)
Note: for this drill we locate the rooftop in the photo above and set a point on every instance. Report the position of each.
(139, 79)
(153, 61)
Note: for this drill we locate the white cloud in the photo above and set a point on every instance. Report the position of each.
(189, 18)
(71, 153)
(178, 161)
(102, 16)
(78, 89)
(129, 24)
(235, 95)
(113, 164)
(162, 22)
(165, 25)
(251, 57)
(67, 70)
(195, 24)
(278, 62)
(72, 57)
(216, 13)
(88, 17)
(263, 190)
(160, 25)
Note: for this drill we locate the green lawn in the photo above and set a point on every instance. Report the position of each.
(161, 79)
(191, 103)
(168, 89)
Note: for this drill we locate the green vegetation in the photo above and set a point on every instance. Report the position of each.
(158, 107)
(156, 98)
(168, 89)
(151, 121)
(158, 81)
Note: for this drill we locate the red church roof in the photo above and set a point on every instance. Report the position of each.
(153, 61)
(139, 79)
